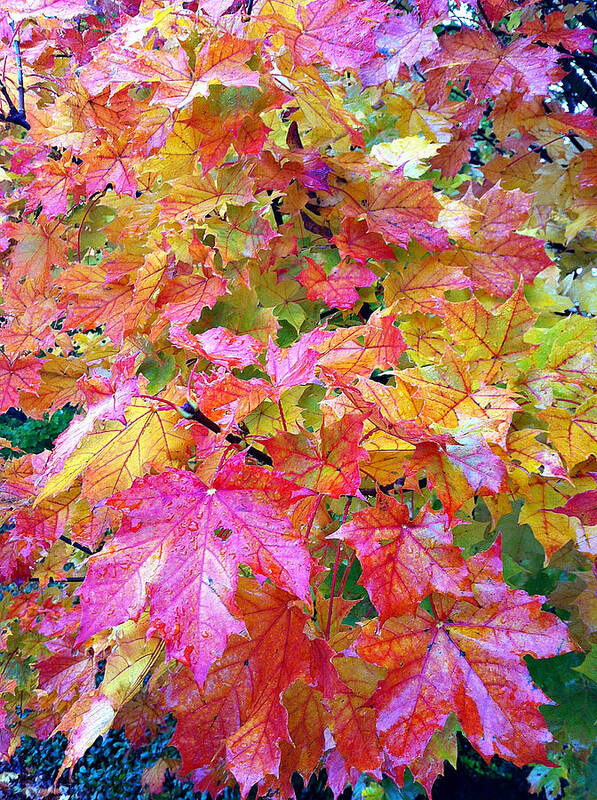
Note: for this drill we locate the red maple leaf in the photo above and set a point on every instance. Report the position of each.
(403, 560)
(466, 657)
(180, 544)
(328, 464)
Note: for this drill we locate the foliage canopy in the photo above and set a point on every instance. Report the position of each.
(319, 279)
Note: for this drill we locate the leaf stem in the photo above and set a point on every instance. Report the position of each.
(536, 149)
(331, 605)
(282, 417)
(345, 576)
(191, 376)
(313, 515)
(160, 400)
(85, 215)
(335, 575)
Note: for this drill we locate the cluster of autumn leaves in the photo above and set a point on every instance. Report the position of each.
(308, 340)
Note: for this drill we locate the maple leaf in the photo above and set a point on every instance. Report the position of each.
(223, 60)
(467, 658)
(108, 407)
(492, 340)
(132, 658)
(58, 386)
(567, 357)
(338, 288)
(492, 68)
(553, 31)
(408, 152)
(153, 778)
(219, 346)
(420, 286)
(142, 715)
(442, 747)
(22, 374)
(40, 527)
(328, 464)
(524, 447)
(87, 718)
(184, 297)
(403, 560)
(196, 198)
(240, 712)
(342, 32)
(37, 249)
(114, 453)
(307, 721)
(578, 595)
(497, 256)
(66, 677)
(400, 209)
(229, 399)
(353, 721)
(452, 398)
(403, 40)
(54, 181)
(360, 349)
(99, 300)
(295, 365)
(179, 546)
(113, 163)
(254, 747)
(541, 499)
(457, 472)
(356, 241)
(574, 434)
(243, 234)
(583, 506)
(29, 326)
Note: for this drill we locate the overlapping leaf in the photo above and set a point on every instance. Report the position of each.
(180, 545)
(467, 658)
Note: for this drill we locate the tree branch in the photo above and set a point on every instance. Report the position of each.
(21, 90)
(76, 545)
(190, 412)
(15, 115)
(481, 135)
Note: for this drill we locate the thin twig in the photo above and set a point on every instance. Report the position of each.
(484, 16)
(479, 133)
